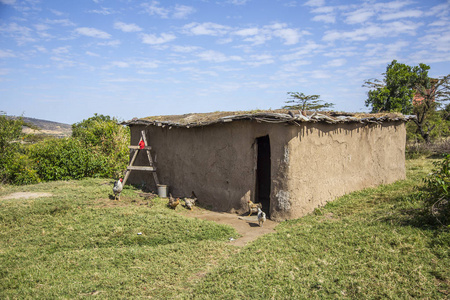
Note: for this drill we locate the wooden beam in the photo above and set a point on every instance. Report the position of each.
(139, 148)
(141, 168)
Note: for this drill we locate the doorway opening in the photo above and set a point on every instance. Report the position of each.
(263, 176)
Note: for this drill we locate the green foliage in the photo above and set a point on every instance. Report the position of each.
(10, 136)
(306, 102)
(99, 148)
(22, 170)
(105, 137)
(68, 158)
(436, 121)
(437, 190)
(396, 91)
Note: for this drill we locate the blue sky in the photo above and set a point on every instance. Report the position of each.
(64, 60)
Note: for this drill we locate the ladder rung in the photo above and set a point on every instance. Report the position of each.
(138, 147)
(141, 168)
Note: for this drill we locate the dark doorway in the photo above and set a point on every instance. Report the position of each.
(263, 177)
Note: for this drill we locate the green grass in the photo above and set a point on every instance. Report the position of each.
(376, 243)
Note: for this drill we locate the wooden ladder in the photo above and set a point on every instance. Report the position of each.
(150, 168)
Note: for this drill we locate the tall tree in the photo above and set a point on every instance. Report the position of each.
(409, 90)
(396, 91)
(430, 94)
(301, 101)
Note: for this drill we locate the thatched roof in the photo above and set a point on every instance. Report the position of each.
(271, 116)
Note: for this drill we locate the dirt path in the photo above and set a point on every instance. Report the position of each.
(25, 195)
(246, 226)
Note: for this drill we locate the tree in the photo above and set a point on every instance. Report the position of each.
(410, 90)
(396, 92)
(306, 102)
(430, 95)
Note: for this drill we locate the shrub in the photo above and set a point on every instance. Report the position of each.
(106, 138)
(437, 190)
(68, 158)
(22, 170)
(10, 135)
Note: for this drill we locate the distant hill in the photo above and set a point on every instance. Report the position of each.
(48, 127)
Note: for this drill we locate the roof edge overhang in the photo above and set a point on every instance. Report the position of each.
(290, 117)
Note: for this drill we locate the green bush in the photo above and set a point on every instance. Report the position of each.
(10, 136)
(105, 137)
(437, 190)
(68, 158)
(22, 170)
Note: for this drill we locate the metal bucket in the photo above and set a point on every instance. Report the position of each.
(163, 190)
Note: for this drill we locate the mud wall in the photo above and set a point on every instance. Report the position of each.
(310, 164)
(327, 161)
(217, 162)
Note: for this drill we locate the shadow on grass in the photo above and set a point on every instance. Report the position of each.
(419, 217)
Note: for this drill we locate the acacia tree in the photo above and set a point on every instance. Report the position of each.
(430, 94)
(401, 85)
(306, 102)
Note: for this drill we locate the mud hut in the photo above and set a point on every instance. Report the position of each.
(290, 161)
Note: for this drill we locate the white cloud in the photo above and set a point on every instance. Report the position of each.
(89, 53)
(260, 35)
(185, 49)
(153, 8)
(306, 50)
(21, 34)
(259, 60)
(182, 11)
(127, 27)
(146, 64)
(336, 62)
(328, 18)
(207, 28)
(373, 31)
(6, 54)
(315, 3)
(401, 14)
(152, 39)
(92, 32)
(320, 74)
(61, 22)
(237, 2)
(290, 36)
(120, 64)
(61, 50)
(216, 56)
(247, 31)
(103, 11)
(57, 12)
(359, 16)
(8, 2)
(113, 43)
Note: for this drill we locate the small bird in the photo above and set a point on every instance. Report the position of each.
(190, 202)
(261, 217)
(173, 203)
(117, 188)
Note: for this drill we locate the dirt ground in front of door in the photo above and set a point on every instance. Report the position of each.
(246, 226)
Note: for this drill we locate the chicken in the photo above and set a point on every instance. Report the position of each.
(253, 207)
(190, 202)
(173, 203)
(117, 188)
(261, 217)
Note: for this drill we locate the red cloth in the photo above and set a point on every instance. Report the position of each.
(141, 144)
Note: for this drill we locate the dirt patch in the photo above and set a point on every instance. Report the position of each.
(25, 195)
(246, 226)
